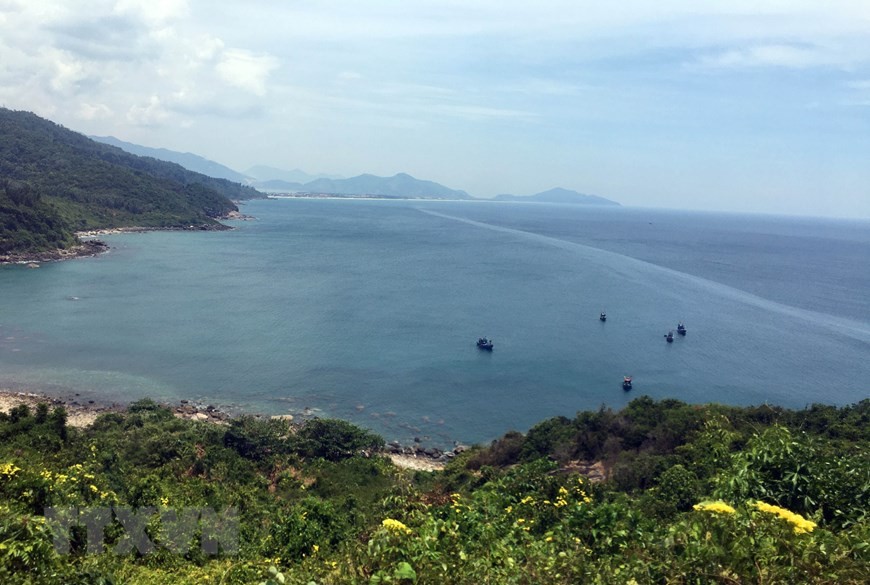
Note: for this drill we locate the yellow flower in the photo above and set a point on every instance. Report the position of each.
(8, 470)
(395, 526)
(164, 500)
(719, 507)
(798, 522)
(94, 488)
(316, 547)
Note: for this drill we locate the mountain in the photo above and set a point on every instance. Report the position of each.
(400, 185)
(279, 186)
(192, 162)
(559, 195)
(264, 173)
(54, 181)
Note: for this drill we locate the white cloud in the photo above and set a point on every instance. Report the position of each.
(151, 113)
(207, 48)
(775, 55)
(246, 70)
(67, 72)
(471, 112)
(153, 11)
(94, 111)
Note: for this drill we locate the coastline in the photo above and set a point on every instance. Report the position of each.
(86, 249)
(89, 246)
(83, 414)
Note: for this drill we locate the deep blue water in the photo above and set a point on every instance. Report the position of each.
(369, 310)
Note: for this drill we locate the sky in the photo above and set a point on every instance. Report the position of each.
(746, 106)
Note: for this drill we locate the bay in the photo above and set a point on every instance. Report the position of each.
(368, 310)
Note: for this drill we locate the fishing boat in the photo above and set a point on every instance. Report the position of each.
(602, 316)
(681, 329)
(626, 382)
(669, 337)
(484, 343)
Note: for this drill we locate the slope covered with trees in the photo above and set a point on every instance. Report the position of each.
(731, 495)
(54, 181)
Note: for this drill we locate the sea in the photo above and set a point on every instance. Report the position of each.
(369, 310)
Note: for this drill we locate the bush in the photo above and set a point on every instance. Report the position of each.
(334, 439)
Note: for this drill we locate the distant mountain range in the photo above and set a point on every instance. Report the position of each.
(54, 181)
(400, 185)
(559, 195)
(264, 174)
(191, 162)
(275, 180)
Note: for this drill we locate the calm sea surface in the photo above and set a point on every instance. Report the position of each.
(369, 310)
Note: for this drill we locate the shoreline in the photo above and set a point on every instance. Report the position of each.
(86, 249)
(89, 246)
(81, 414)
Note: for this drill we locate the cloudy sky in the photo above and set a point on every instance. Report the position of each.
(757, 106)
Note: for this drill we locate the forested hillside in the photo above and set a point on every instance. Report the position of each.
(54, 181)
(690, 494)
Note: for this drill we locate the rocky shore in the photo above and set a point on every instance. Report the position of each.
(86, 248)
(90, 246)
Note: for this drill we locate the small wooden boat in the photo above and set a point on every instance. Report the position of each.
(626, 382)
(681, 329)
(484, 343)
(602, 316)
(669, 337)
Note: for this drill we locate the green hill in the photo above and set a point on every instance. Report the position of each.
(54, 181)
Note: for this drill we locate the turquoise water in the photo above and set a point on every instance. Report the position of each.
(369, 310)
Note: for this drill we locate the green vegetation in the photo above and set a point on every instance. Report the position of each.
(696, 494)
(54, 181)
(27, 222)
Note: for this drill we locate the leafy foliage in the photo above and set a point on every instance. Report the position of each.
(732, 495)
